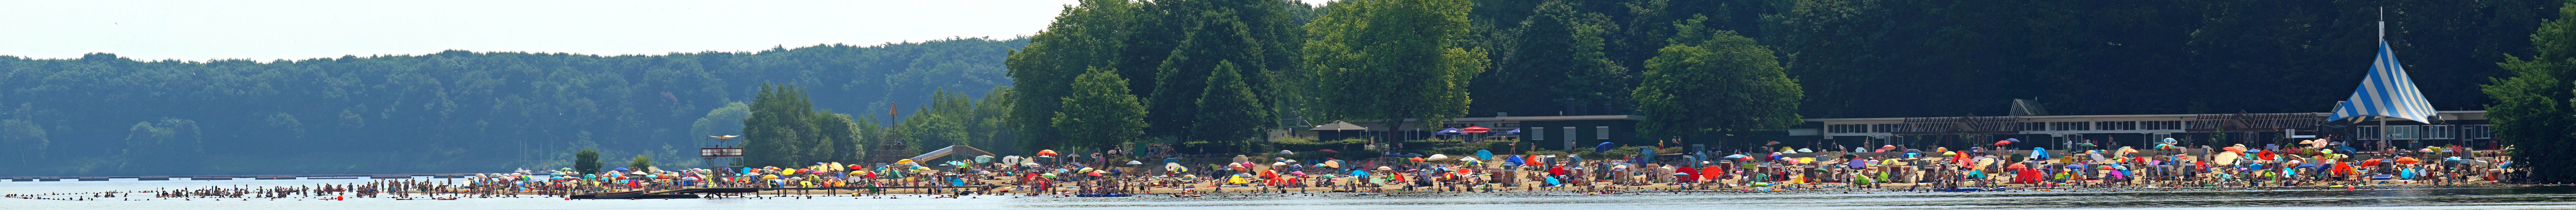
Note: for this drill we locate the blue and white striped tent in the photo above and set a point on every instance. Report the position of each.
(2386, 92)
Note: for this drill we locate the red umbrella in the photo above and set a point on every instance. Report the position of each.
(2370, 162)
(1474, 129)
(2407, 160)
(2001, 143)
(1711, 172)
(1046, 152)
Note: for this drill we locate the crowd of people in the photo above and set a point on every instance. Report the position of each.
(1887, 168)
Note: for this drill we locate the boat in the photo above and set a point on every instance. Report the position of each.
(1102, 195)
(613, 195)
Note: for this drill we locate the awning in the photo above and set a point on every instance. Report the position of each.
(1338, 126)
(2386, 92)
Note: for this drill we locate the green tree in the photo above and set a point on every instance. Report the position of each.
(1551, 60)
(26, 138)
(832, 138)
(1100, 114)
(1392, 60)
(1091, 34)
(726, 120)
(779, 129)
(1215, 38)
(640, 163)
(991, 129)
(1713, 81)
(2533, 106)
(586, 161)
(1229, 114)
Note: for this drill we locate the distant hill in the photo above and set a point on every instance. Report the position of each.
(452, 111)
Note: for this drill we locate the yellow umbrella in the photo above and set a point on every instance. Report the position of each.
(904, 161)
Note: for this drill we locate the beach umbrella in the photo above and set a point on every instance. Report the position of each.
(1474, 159)
(1417, 159)
(2407, 160)
(1131, 162)
(1482, 154)
(2370, 162)
(1451, 131)
(1047, 152)
(1439, 157)
(1384, 168)
(1604, 147)
(619, 169)
(1286, 152)
(1329, 151)
(2001, 143)
(983, 159)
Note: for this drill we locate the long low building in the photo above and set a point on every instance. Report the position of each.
(2055, 132)
(2259, 130)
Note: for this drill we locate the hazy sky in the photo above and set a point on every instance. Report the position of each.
(269, 30)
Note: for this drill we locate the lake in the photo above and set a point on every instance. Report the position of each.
(2554, 197)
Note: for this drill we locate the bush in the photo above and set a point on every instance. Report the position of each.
(586, 161)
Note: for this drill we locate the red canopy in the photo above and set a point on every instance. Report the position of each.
(1474, 129)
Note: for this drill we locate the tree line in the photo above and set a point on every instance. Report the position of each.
(447, 112)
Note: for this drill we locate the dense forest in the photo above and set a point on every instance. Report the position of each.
(452, 111)
(1212, 73)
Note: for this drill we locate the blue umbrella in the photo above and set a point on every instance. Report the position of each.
(1452, 131)
(1484, 155)
(1516, 160)
(1360, 173)
(1604, 147)
(619, 169)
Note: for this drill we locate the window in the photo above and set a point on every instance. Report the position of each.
(1538, 133)
(1508, 125)
(1601, 132)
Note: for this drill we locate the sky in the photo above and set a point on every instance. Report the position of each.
(197, 30)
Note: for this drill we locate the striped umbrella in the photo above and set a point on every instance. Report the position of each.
(2385, 92)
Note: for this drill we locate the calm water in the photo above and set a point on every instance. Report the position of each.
(2485, 198)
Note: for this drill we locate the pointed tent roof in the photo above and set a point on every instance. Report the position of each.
(1338, 125)
(2385, 92)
